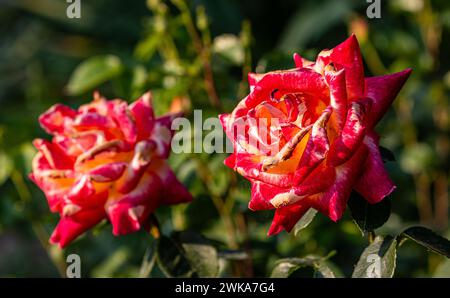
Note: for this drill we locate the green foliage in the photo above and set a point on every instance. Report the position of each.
(94, 72)
(304, 221)
(368, 217)
(287, 267)
(381, 253)
(202, 51)
(428, 239)
(6, 167)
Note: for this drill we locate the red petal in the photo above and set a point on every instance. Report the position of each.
(162, 135)
(338, 95)
(71, 227)
(383, 90)
(230, 161)
(333, 201)
(299, 80)
(348, 55)
(54, 155)
(316, 148)
(174, 191)
(374, 183)
(108, 172)
(78, 144)
(320, 179)
(352, 134)
(55, 119)
(262, 193)
(83, 194)
(301, 62)
(286, 217)
(129, 211)
(141, 159)
(252, 171)
(298, 60)
(92, 121)
(53, 188)
(125, 121)
(253, 79)
(142, 111)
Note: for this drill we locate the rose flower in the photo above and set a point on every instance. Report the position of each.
(106, 160)
(325, 113)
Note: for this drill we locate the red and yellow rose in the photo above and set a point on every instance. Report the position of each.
(326, 113)
(106, 160)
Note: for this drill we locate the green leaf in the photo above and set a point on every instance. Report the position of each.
(428, 239)
(202, 256)
(148, 261)
(286, 267)
(306, 219)
(378, 259)
(187, 254)
(368, 217)
(94, 72)
(172, 260)
(6, 166)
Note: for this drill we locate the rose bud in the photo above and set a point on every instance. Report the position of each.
(106, 160)
(325, 112)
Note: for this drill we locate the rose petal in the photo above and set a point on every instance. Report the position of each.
(316, 148)
(301, 62)
(141, 159)
(55, 119)
(162, 135)
(71, 227)
(126, 122)
(142, 111)
(54, 155)
(125, 211)
(352, 134)
(383, 90)
(374, 184)
(108, 172)
(333, 201)
(251, 169)
(299, 80)
(262, 193)
(348, 56)
(174, 191)
(338, 95)
(286, 217)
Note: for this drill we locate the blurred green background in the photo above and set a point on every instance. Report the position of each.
(198, 53)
